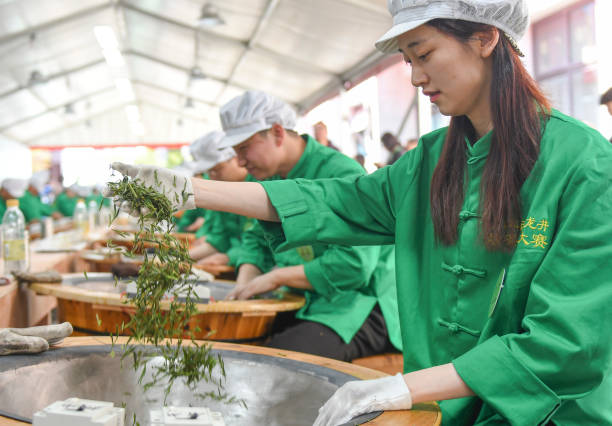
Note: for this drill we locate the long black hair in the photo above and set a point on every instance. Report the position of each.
(517, 108)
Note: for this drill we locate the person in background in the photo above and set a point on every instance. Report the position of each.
(411, 144)
(351, 306)
(11, 189)
(83, 192)
(96, 195)
(66, 201)
(606, 99)
(223, 231)
(360, 159)
(320, 135)
(30, 203)
(395, 148)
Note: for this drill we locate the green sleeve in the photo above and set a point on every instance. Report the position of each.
(201, 232)
(46, 209)
(188, 217)
(220, 228)
(563, 354)
(65, 205)
(29, 207)
(2, 208)
(99, 199)
(255, 250)
(354, 210)
(234, 254)
(341, 268)
(235, 250)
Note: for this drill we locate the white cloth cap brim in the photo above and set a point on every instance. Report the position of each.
(238, 135)
(388, 42)
(199, 167)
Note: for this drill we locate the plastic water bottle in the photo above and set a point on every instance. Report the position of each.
(92, 214)
(81, 218)
(14, 238)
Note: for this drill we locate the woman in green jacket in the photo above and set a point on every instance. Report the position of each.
(502, 232)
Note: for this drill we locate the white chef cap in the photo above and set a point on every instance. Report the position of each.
(81, 191)
(15, 187)
(39, 180)
(253, 112)
(100, 186)
(207, 152)
(510, 16)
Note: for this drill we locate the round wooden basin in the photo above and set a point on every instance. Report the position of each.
(278, 387)
(127, 240)
(94, 305)
(102, 260)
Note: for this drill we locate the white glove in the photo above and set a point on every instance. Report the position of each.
(32, 339)
(359, 397)
(169, 182)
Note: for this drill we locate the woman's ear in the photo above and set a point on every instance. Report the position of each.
(487, 41)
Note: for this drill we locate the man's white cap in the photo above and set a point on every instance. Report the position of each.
(99, 186)
(510, 16)
(15, 187)
(253, 112)
(81, 190)
(39, 180)
(207, 152)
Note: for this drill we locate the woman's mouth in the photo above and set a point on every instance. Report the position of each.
(433, 96)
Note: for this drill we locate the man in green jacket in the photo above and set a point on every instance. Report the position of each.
(66, 201)
(11, 189)
(351, 302)
(30, 203)
(222, 231)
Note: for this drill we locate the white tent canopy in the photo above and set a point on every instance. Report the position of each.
(58, 88)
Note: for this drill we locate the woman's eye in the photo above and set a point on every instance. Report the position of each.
(423, 57)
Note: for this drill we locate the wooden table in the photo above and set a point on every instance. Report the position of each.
(22, 307)
(426, 414)
(101, 312)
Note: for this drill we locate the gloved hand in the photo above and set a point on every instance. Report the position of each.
(169, 182)
(359, 397)
(32, 339)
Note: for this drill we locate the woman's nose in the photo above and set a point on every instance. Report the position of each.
(419, 78)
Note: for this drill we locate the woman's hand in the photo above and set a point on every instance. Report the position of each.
(359, 397)
(172, 184)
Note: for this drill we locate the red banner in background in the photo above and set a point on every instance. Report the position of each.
(169, 145)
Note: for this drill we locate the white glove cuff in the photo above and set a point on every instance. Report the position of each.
(398, 394)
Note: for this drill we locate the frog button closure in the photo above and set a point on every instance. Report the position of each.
(460, 269)
(466, 214)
